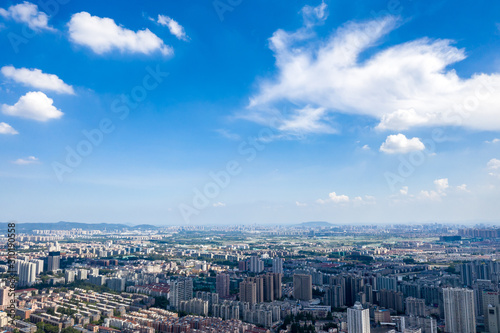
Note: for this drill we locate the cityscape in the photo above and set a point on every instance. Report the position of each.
(309, 277)
(249, 166)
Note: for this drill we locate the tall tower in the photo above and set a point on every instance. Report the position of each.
(358, 319)
(459, 313)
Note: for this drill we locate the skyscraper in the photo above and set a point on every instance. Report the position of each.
(459, 313)
(248, 292)
(278, 265)
(222, 285)
(181, 290)
(358, 319)
(302, 287)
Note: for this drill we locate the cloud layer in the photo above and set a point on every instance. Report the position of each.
(103, 35)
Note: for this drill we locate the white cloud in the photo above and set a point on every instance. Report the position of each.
(219, 204)
(26, 161)
(404, 190)
(34, 105)
(300, 204)
(441, 185)
(463, 188)
(306, 120)
(173, 26)
(403, 86)
(338, 198)
(494, 164)
(494, 167)
(334, 197)
(314, 15)
(37, 79)
(7, 129)
(495, 140)
(103, 35)
(29, 14)
(365, 147)
(400, 144)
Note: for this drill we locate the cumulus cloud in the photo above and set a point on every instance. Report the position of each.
(300, 204)
(495, 140)
(29, 14)
(219, 204)
(334, 197)
(26, 161)
(7, 129)
(494, 164)
(173, 26)
(441, 187)
(34, 105)
(403, 86)
(103, 35)
(441, 184)
(37, 79)
(400, 144)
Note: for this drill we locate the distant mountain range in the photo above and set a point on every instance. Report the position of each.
(28, 227)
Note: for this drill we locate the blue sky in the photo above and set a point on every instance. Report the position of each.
(229, 112)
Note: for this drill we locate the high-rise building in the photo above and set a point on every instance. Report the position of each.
(278, 291)
(248, 292)
(278, 265)
(27, 273)
(415, 306)
(39, 265)
(256, 265)
(302, 287)
(82, 274)
(181, 290)
(222, 283)
(358, 319)
(53, 261)
(459, 313)
(69, 275)
(491, 306)
(117, 284)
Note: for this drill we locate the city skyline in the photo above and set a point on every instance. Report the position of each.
(250, 112)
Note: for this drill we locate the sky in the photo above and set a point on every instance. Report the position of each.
(250, 112)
